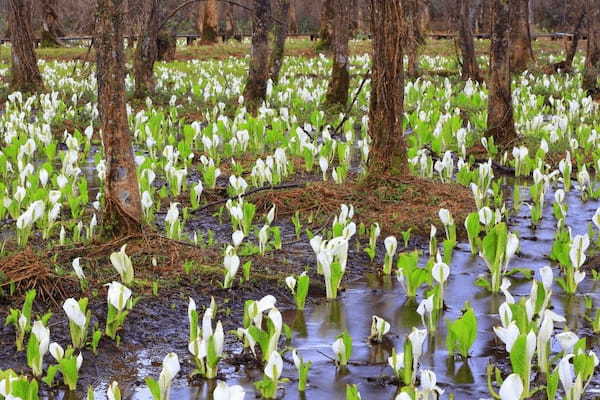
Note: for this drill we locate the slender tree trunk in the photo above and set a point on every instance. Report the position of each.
(51, 31)
(337, 92)
(464, 22)
(210, 25)
(146, 52)
(388, 152)
(25, 74)
(353, 9)
(123, 211)
(521, 53)
(567, 64)
(281, 12)
(200, 18)
(255, 91)
(416, 15)
(592, 58)
(326, 30)
(293, 27)
(230, 25)
(500, 121)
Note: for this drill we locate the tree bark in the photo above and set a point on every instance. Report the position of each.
(146, 52)
(123, 211)
(25, 74)
(388, 151)
(567, 64)
(230, 25)
(281, 12)
(337, 92)
(592, 58)
(293, 27)
(210, 24)
(416, 15)
(500, 123)
(521, 53)
(326, 30)
(200, 18)
(255, 91)
(51, 31)
(464, 23)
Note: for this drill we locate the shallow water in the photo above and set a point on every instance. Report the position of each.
(317, 328)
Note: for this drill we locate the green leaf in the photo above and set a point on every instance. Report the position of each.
(154, 388)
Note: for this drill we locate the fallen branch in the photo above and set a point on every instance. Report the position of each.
(260, 189)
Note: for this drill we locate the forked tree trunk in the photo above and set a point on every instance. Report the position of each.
(592, 58)
(293, 27)
(146, 52)
(25, 74)
(416, 15)
(123, 211)
(521, 53)
(500, 123)
(51, 31)
(230, 25)
(326, 29)
(210, 25)
(464, 23)
(388, 151)
(281, 11)
(255, 91)
(337, 92)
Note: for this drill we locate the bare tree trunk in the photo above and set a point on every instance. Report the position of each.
(353, 9)
(567, 64)
(337, 92)
(200, 18)
(230, 25)
(51, 31)
(146, 52)
(123, 211)
(464, 22)
(592, 58)
(255, 91)
(500, 121)
(326, 30)
(521, 53)
(388, 152)
(416, 15)
(281, 12)
(293, 27)
(25, 74)
(210, 25)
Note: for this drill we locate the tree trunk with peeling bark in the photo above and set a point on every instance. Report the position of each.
(146, 52)
(521, 53)
(210, 24)
(123, 210)
(592, 58)
(281, 11)
(388, 151)
(326, 29)
(51, 31)
(337, 92)
(255, 91)
(500, 123)
(464, 23)
(293, 26)
(25, 75)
